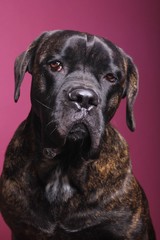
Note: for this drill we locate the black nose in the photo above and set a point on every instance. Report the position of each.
(84, 98)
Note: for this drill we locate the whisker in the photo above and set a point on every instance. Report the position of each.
(43, 104)
(53, 131)
(52, 121)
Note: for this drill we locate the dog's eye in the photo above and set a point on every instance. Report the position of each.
(56, 66)
(110, 77)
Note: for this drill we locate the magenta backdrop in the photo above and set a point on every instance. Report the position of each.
(133, 25)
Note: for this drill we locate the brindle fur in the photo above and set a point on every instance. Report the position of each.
(73, 187)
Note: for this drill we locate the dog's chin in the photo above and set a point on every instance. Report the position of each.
(85, 140)
(79, 138)
(78, 133)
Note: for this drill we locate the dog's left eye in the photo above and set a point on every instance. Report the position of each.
(110, 77)
(56, 66)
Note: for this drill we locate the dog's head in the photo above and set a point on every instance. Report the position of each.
(78, 81)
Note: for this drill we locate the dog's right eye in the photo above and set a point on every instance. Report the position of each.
(56, 66)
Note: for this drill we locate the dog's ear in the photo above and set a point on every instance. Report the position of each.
(131, 91)
(23, 63)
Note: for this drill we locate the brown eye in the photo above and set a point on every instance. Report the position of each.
(56, 66)
(110, 77)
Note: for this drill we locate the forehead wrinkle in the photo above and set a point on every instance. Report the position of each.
(58, 44)
(110, 53)
(74, 47)
(105, 45)
(73, 40)
(108, 49)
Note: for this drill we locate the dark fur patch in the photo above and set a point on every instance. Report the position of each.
(67, 172)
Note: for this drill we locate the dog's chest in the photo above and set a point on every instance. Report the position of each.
(58, 187)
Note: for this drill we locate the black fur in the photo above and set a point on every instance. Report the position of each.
(67, 173)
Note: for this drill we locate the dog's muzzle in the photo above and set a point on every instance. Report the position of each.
(84, 101)
(78, 119)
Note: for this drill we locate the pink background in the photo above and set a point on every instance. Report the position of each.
(133, 25)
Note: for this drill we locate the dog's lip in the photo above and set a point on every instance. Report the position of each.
(78, 127)
(92, 143)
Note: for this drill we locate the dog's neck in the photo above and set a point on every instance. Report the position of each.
(72, 153)
(62, 171)
(49, 158)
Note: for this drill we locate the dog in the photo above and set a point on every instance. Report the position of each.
(67, 172)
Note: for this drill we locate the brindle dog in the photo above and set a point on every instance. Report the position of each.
(67, 172)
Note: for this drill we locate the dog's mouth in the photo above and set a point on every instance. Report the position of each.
(78, 132)
(83, 134)
(79, 138)
(75, 145)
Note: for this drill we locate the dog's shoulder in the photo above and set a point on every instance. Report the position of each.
(17, 140)
(115, 140)
(113, 168)
(114, 160)
(115, 148)
(16, 151)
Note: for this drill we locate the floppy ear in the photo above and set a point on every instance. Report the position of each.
(131, 92)
(23, 63)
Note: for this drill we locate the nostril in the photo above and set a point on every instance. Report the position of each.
(79, 98)
(93, 101)
(85, 98)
